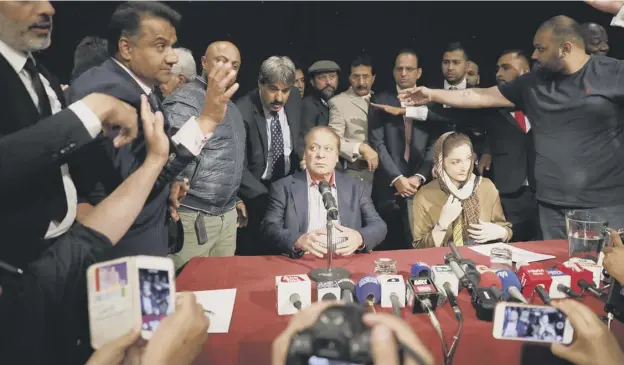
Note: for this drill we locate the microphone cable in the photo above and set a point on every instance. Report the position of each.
(451, 353)
(426, 305)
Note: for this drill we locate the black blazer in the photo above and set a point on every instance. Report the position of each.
(386, 134)
(106, 167)
(257, 152)
(31, 153)
(314, 113)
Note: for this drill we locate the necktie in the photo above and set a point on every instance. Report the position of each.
(408, 138)
(458, 232)
(43, 102)
(278, 164)
(519, 115)
(154, 102)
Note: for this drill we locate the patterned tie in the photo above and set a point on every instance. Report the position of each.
(278, 162)
(458, 232)
(44, 102)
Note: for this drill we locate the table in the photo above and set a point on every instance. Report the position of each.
(255, 322)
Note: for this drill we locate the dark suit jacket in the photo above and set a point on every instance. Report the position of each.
(31, 153)
(287, 216)
(386, 133)
(107, 167)
(314, 113)
(257, 149)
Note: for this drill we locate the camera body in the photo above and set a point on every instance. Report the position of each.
(338, 334)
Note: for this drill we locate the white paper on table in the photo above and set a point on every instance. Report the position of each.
(221, 304)
(517, 254)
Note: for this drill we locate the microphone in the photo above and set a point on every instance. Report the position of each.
(293, 293)
(531, 276)
(541, 292)
(448, 290)
(368, 290)
(511, 285)
(420, 269)
(327, 290)
(442, 274)
(423, 294)
(392, 292)
(576, 273)
(584, 285)
(590, 266)
(560, 287)
(328, 200)
(347, 286)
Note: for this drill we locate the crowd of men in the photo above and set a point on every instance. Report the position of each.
(141, 155)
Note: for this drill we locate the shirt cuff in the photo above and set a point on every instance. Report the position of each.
(421, 177)
(89, 119)
(417, 112)
(618, 19)
(356, 150)
(395, 179)
(191, 136)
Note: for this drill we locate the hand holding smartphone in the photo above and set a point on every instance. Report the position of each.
(531, 323)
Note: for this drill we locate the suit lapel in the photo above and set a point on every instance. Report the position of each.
(15, 97)
(506, 113)
(261, 122)
(300, 197)
(54, 83)
(358, 101)
(344, 188)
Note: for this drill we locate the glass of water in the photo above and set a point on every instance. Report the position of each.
(501, 258)
(587, 234)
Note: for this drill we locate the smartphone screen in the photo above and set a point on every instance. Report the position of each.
(531, 323)
(155, 297)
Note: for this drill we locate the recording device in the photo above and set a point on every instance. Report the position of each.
(392, 292)
(531, 323)
(328, 200)
(531, 276)
(420, 269)
(368, 291)
(339, 334)
(442, 274)
(347, 287)
(294, 292)
(127, 293)
(328, 290)
(422, 294)
(560, 287)
(511, 285)
(483, 299)
(577, 273)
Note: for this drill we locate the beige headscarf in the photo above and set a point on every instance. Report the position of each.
(467, 193)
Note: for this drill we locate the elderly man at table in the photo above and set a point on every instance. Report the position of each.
(296, 218)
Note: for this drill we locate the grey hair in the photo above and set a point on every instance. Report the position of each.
(186, 64)
(277, 69)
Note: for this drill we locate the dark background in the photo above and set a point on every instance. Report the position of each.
(310, 31)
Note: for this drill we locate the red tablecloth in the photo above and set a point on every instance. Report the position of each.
(255, 322)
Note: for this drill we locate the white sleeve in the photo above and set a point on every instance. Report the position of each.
(91, 122)
(191, 136)
(417, 112)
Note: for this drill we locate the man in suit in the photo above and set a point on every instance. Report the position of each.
(348, 117)
(141, 59)
(404, 148)
(472, 74)
(37, 137)
(509, 149)
(300, 79)
(296, 218)
(272, 116)
(323, 76)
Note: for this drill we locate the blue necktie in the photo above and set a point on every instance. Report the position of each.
(278, 163)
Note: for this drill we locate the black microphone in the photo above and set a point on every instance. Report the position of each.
(328, 200)
(295, 299)
(452, 300)
(583, 284)
(541, 292)
(568, 291)
(347, 288)
(483, 299)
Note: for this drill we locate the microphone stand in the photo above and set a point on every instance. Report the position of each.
(329, 273)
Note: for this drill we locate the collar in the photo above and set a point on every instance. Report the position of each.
(323, 102)
(16, 59)
(460, 86)
(148, 90)
(314, 182)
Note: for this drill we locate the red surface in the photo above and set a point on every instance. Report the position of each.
(255, 322)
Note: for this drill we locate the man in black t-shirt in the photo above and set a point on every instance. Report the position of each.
(575, 102)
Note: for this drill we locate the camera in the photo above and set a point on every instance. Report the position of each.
(338, 334)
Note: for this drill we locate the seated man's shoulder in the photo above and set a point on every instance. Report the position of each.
(101, 79)
(283, 182)
(185, 94)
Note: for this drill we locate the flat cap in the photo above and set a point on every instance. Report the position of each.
(323, 66)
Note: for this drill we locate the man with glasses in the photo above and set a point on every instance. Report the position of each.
(323, 77)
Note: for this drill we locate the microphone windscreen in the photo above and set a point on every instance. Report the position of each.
(489, 279)
(420, 269)
(508, 279)
(368, 286)
(346, 284)
(324, 186)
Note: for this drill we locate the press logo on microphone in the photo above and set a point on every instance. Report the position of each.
(502, 274)
(393, 280)
(291, 279)
(369, 279)
(420, 282)
(442, 269)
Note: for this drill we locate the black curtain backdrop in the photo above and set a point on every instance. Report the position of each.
(310, 31)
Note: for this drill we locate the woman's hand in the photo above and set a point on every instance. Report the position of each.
(485, 231)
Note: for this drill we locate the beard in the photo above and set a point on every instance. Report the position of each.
(18, 35)
(327, 92)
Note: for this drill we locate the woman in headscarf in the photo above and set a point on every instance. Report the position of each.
(458, 206)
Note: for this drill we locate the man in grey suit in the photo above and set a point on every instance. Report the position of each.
(209, 210)
(348, 116)
(296, 218)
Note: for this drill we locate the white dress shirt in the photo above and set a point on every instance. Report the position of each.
(283, 120)
(190, 135)
(317, 214)
(93, 125)
(618, 19)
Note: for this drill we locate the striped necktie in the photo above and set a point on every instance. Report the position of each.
(458, 232)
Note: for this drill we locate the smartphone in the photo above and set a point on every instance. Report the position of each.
(531, 323)
(156, 292)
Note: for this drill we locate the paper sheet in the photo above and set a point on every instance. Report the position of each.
(517, 254)
(221, 305)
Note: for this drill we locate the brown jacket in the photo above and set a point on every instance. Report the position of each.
(428, 202)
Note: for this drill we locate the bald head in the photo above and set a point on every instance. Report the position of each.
(595, 38)
(563, 29)
(221, 51)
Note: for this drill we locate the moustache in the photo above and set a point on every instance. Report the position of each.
(45, 22)
(277, 104)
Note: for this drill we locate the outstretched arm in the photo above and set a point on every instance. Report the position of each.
(468, 98)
